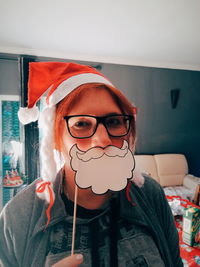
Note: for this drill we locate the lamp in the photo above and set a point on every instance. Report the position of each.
(175, 93)
(97, 67)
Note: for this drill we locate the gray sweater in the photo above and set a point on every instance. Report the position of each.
(25, 242)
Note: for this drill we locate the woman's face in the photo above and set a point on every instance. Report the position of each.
(97, 103)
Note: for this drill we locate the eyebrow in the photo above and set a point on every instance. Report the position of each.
(105, 115)
(112, 114)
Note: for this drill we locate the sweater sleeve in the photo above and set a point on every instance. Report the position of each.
(7, 250)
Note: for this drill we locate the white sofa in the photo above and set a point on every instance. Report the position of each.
(171, 172)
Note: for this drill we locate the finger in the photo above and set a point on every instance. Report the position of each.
(71, 261)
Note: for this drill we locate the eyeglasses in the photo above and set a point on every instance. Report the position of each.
(85, 126)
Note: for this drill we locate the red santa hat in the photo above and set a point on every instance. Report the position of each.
(57, 79)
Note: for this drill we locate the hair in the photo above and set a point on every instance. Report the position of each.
(66, 105)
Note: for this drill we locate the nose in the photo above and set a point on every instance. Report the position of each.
(101, 137)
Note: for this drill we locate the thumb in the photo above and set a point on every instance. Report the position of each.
(72, 261)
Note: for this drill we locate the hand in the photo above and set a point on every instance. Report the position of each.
(71, 261)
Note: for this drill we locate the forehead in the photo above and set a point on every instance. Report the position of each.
(95, 102)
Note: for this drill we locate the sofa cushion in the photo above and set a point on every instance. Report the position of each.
(147, 165)
(171, 168)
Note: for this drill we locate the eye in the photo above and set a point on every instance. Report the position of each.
(114, 122)
(82, 124)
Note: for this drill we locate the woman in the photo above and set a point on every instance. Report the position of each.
(130, 227)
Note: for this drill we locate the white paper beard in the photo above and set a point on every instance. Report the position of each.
(102, 169)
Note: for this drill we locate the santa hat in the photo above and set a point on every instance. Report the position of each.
(55, 80)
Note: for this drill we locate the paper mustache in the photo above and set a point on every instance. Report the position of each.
(102, 169)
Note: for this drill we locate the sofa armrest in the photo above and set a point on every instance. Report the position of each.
(191, 181)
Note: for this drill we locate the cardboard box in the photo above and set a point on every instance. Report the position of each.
(191, 225)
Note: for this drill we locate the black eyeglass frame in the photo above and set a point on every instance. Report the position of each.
(99, 119)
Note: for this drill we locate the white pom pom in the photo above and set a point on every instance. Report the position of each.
(138, 178)
(27, 115)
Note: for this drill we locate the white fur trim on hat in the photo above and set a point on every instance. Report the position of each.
(73, 82)
(27, 115)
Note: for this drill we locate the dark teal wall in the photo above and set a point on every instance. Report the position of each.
(9, 78)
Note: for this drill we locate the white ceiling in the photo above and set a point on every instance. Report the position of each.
(158, 33)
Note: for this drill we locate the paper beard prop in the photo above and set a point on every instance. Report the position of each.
(102, 169)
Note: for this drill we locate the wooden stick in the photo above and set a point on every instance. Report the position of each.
(74, 219)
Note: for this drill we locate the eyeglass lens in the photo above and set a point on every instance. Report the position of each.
(85, 126)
